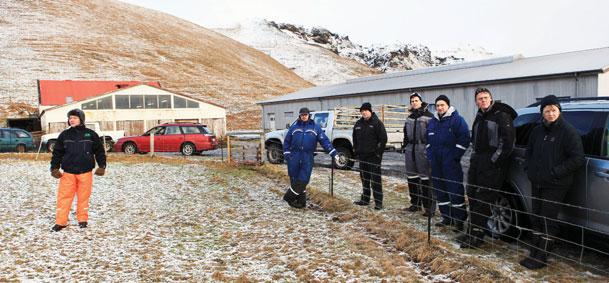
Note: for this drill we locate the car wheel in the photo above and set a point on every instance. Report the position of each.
(345, 159)
(504, 220)
(188, 149)
(21, 148)
(108, 145)
(129, 148)
(274, 153)
(51, 145)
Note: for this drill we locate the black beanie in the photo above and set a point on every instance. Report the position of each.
(444, 98)
(416, 94)
(78, 113)
(549, 100)
(304, 110)
(366, 106)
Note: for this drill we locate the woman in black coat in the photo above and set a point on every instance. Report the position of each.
(554, 154)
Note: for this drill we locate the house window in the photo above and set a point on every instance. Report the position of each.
(122, 101)
(104, 103)
(164, 101)
(89, 105)
(179, 102)
(136, 101)
(151, 101)
(192, 104)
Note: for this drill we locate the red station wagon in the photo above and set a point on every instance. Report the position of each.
(187, 138)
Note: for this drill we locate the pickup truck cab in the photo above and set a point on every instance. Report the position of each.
(340, 133)
(108, 137)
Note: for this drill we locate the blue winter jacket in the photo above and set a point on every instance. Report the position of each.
(298, 146)
(447, 137)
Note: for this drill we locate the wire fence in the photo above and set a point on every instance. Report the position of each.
(521, 219)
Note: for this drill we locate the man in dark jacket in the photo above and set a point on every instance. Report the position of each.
(493, 141)
(554, 153)
(418, 169)
(369, 139)
(76, 151)
(448, 139)
(298, 147)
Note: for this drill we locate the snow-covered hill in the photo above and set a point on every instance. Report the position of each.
(112, 40)
(323, 57)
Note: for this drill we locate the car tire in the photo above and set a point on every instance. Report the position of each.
(108, 145)
(129, 148)
(20, 148)
(51, 145)
(187, 149)
(274, 153)
(346, 159)
(505, 218)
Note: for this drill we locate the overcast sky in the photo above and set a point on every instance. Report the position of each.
(503, 27)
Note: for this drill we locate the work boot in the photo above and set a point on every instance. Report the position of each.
(82, 224)
(444, 223)
(473, 239)
(428, 214)
(458, 226)
(414, 208)
(58, 227)
(536, 262)
(361, 202)
(378, 206)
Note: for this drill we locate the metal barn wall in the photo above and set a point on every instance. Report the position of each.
(515, 93)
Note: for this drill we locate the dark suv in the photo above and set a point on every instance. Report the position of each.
(591, 189)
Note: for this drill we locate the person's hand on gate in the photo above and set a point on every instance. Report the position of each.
(56, 173)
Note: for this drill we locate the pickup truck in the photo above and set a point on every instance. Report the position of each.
(338, 126)
(108, 137)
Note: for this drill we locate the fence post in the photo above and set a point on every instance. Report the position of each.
(262, 149)
(332, 178)
(151, 144)
(228, 150)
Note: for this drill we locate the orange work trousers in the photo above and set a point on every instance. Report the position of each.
(70, 185)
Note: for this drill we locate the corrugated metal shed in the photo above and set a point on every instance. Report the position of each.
(485, 71)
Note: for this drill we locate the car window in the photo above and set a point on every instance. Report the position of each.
(22, 134)
(153, 130)
(191, 130)
(173, 130)
(3, 134)
(524, 125)
(321, 119)
(590, 126)
(204, 130)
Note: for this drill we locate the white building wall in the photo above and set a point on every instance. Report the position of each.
(205, 110)
(603, 84)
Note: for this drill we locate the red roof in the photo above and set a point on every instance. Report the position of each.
(52, 93)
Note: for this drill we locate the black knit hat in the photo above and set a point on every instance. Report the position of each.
(444, 98)
(366, 106)
(416, 94)
(78, 113)
(549, 100)
(304, 110)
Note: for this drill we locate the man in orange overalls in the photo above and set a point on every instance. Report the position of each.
(76, 151)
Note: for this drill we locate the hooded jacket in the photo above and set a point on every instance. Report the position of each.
(554, 153)
(493, 131)
(369, 137)
(77, 149)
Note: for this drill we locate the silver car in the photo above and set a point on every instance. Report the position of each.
(590, 116)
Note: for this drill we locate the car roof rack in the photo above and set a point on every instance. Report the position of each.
(572, 99)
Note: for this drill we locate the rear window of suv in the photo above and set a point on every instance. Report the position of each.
(591, 126)
(190, 130)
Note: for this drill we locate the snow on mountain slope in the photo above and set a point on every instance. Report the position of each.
(312, 62)
(323, 57)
